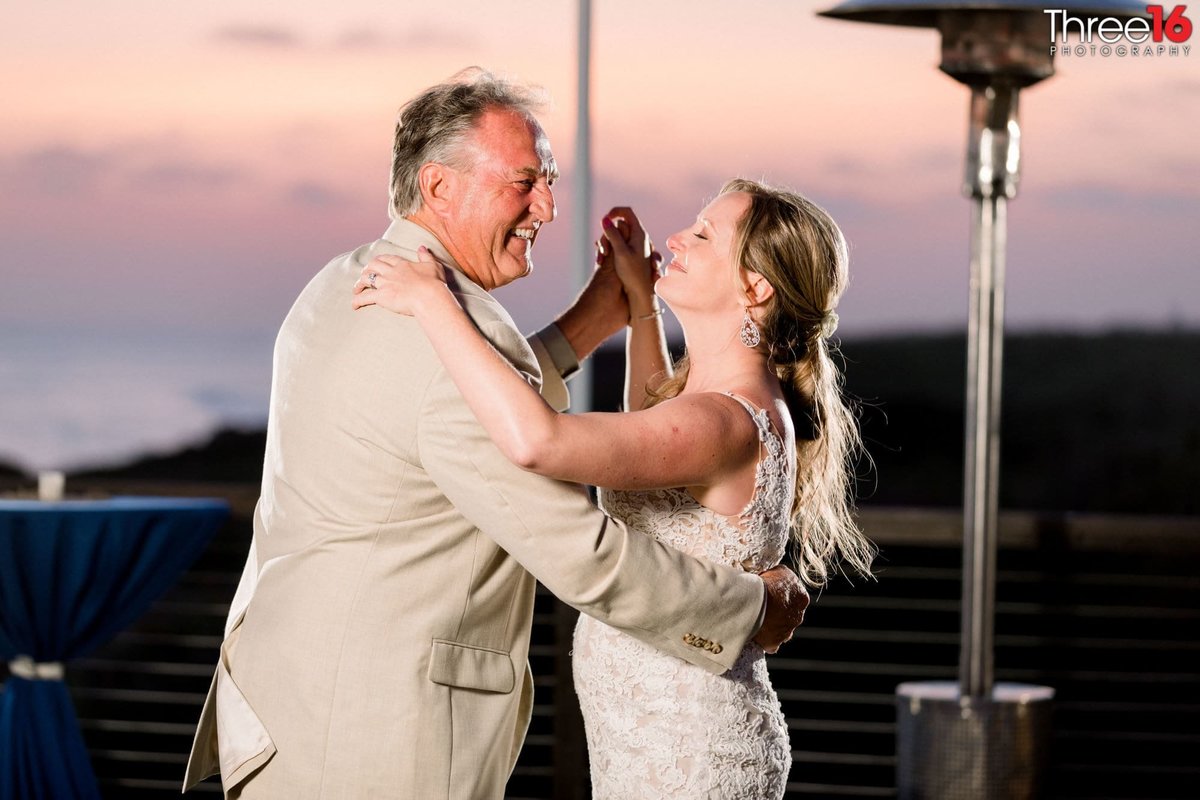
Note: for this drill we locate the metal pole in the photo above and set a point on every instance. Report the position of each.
(581, 384)
(570, 780)
(992, 173)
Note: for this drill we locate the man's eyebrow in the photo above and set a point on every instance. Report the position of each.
(550, 170)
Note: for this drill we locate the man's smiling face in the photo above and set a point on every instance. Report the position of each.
(503, 197)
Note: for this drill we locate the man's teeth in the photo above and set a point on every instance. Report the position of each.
(523, 233)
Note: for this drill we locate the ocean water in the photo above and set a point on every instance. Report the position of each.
(70, 399)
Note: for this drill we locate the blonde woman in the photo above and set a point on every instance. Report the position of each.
(729, 455)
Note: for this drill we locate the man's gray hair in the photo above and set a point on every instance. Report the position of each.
(432, 126)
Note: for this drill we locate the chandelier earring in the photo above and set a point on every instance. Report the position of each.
(750, 335)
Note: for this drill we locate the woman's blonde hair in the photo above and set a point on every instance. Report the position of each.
(799, 249)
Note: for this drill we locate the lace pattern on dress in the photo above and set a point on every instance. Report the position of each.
(657, 726)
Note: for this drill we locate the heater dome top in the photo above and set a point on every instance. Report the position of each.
(929, 13)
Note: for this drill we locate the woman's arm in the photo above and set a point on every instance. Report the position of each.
(647, 362)
(691, 441)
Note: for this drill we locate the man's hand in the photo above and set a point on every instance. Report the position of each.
(600, 311)
(626, 244)
(786, 600)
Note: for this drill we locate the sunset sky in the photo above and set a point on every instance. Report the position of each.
(173, 174)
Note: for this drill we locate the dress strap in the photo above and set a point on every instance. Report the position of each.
(761, 419)
(774, 482)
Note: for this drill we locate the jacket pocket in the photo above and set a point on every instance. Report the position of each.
(470, 667)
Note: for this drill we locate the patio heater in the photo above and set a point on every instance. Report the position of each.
(978, 739)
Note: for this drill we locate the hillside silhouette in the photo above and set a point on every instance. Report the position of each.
(1098, 423)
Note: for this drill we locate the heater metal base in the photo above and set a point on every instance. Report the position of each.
(962, 748)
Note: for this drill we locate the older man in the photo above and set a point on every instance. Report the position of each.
(377, 643)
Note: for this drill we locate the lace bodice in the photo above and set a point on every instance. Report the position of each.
(657, 726)
(755, 539)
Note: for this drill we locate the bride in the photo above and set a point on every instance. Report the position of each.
(733, 453)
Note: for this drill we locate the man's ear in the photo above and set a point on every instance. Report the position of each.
(757, 289)
(437, 183)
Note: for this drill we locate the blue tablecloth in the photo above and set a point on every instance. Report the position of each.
(72, 574)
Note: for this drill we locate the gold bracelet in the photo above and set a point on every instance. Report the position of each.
(658, 312)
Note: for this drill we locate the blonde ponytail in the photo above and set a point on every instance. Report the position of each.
(825, 534)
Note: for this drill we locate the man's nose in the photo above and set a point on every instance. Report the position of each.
(543, 205)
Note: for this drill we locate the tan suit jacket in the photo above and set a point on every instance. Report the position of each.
(377, 644)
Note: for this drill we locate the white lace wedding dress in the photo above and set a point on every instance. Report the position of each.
(657, 726)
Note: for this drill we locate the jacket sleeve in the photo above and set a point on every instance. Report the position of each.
(557, 362)
(698, 611)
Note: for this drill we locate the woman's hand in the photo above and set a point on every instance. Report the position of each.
(398, 284)
(627, 245)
